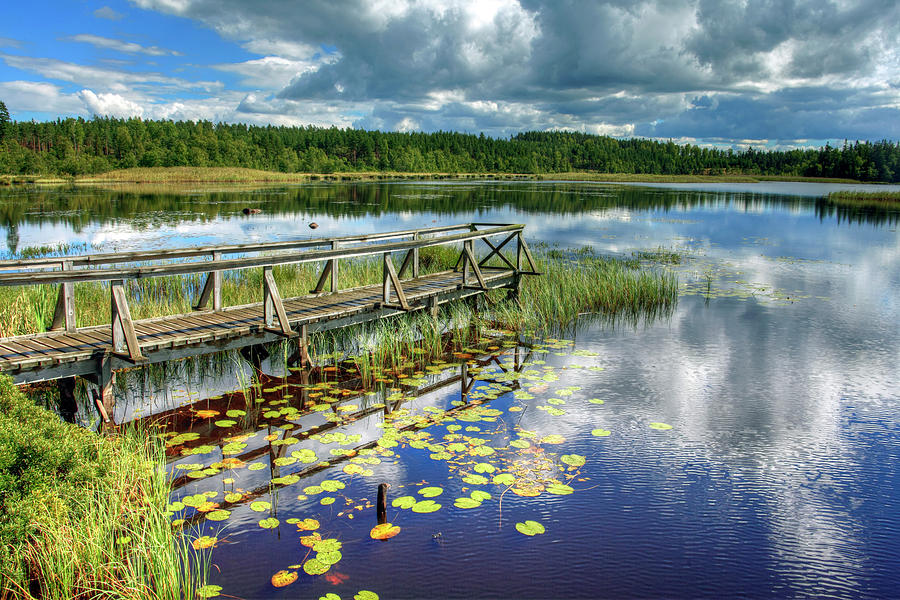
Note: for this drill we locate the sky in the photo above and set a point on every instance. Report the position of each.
(767, 73)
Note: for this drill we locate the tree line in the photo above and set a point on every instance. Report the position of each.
(79, 146)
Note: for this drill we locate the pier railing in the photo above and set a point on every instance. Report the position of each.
(66, 271)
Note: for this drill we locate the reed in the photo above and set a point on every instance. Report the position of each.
(879, 199)
(84, 516)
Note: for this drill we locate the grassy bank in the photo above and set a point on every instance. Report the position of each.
(83, 516)
(235, 175)
(865, 199)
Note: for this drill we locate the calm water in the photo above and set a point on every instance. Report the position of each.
(778, 373)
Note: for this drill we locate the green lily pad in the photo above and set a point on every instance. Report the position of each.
(330, 596)
(555, 412)
(520, 444)
(286, 479)
(480, 495)
(225, 423)
(466, 503)
(270, 523)
(327, 545)
(331, 485)
(660, 426)
(560, 489)
(404, 502)
(329, 558)
(431, 492)
(311, 490)
(209, 591)
(365, 595)
(260, 506)
(326, 500)
(283, 461)
(234, 413)
(475, 479)
(553, 439)
(504, 479)
(573, 460)
(601, 432)
(426, 506)
(256, 466)
(530, 528)
(315, 567)
(595, 401)
(218, 515)
(485, 468)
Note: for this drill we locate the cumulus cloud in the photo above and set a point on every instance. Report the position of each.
(112, 105)
(109, 14)
(21, 96)
(121, 46)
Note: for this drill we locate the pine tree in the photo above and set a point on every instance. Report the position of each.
(4, 120)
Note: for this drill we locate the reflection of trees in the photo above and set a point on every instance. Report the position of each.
(874, 215)
(79, 207)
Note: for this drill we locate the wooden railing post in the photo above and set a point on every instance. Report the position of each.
(334, 269)
(64, 314)
(212, 287)
(415, 251)
(124, 337)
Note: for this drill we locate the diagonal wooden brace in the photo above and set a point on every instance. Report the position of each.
(273, 307)
(391, 279)
(212, 287)
(470, 261)
(324, 277)
(124, 338)
(495, 250)
(407, 261)
(523, 248)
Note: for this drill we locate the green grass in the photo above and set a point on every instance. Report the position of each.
(879, 199)
(84, 516)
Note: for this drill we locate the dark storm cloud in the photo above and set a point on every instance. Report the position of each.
(507, 65)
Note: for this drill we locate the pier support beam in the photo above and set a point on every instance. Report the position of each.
(68, 406)
(104, 398)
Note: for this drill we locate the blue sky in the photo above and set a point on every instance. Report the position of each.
(772, 73)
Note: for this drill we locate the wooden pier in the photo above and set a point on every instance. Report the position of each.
(96, 352)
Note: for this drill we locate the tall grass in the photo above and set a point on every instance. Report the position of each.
(84, 516)
(879, 199)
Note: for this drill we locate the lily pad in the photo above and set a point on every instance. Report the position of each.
(480, 495)
(270, 523)
(560, 489)
(485, 468)
(365, 595)
(209, 591)
(329, 558)
(384, 531)
(426, 506)
(284, 578)
(520, 444)
(327, 545)
(307, 525)
(260, 506)
(225, 423)
(466, 503)
(315, 567)
(595, 401)
(530, 528)
(573, 460)
(234, 413)
(331, 485)
(660, 426)
(553, 439)
(330, 596)
(326, 500)
(404, 502)
(431, 492)
(504, 479)
(475, 479)
(256, 466)
(218, 515)
(601, 432)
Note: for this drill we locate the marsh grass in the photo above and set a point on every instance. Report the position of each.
(84, 516)
(880, 199)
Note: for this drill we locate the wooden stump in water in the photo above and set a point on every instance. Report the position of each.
(381, 504)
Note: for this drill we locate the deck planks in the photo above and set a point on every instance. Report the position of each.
(158, 334)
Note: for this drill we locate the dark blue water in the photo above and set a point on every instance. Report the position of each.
(778, 373)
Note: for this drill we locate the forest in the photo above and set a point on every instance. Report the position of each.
(85, 146)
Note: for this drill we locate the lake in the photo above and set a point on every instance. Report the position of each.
(745, 445)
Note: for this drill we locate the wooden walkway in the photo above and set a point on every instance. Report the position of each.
(96, 352)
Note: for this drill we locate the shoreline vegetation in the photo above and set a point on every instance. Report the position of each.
(855, 199)
(237, 176)
(84, 515)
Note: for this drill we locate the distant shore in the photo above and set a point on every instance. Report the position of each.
(232, 175)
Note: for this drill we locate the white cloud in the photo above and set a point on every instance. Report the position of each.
(121, 46)
(106, 12)
(112, 105)
(33, 96)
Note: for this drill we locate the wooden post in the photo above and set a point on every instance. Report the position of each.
(415, 256)
(124, 338)
(64, 315)
(385, 279)
(105, 400)
(304, 346)
(68, 406)
(392, 280)
(334, 269)
(433, 307)
(212, 287)
(467, 247)
(272, 305)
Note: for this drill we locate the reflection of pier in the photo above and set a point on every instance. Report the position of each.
(457, 375)
(97, 352)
